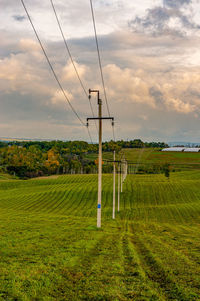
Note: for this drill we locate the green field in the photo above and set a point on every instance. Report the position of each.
(145, 157)
(153, 155)
(50, 248)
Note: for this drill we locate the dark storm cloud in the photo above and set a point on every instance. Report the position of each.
(19, 18)
(157, 20)
(157, 95)
(176, 3)
(29, 108)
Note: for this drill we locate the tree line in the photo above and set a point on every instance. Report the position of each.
(27, 159)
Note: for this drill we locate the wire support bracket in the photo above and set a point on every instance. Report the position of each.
(100, 118)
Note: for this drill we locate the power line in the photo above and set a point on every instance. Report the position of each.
(90, 135)
(52, 69)
(100, 64)
(72, 60)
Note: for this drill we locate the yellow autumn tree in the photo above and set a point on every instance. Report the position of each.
(52, 162)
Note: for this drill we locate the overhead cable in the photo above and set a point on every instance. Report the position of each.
(100, 64)
(52, 69)
(71, 58)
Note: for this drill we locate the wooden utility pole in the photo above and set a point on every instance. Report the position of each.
(113, 215)
(100, 118)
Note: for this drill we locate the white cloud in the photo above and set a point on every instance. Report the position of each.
(128, 86)
(58, 97)
(29, 45)
(150, 78)
(168, 92)
(20, 73)
(69, 74)
(179, 106)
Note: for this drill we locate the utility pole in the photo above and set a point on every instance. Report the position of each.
(99, 164)
(122, 171)
(113, 215)
(121, 180)
(100, 118)
(126, 170)
(118, 188)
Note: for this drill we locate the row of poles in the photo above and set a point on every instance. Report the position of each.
(122, 169)
(122, 165)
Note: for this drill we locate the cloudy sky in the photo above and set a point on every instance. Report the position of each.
(150, 53)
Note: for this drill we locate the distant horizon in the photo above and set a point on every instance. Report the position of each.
(9, 139)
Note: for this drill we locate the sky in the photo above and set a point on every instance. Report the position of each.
(150, 53)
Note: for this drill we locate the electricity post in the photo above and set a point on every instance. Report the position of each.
(100, 118)
(126, 169)
(118, 188)
(113, 215)
(121, 170)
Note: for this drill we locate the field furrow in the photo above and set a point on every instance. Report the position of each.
(158, 273)
(50, 248)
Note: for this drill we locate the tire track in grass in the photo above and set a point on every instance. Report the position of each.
(175, 260)
(181, 265)
(111, 270)
(81, 272)
(95, 272)
(137, 286)
(157, 273)
(186, 242)
(102, 270)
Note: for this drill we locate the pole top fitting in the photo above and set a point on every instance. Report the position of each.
(89, 96)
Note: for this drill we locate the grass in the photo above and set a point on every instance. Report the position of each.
(5, 176)
(153, 155)
(50, 248)
(146, 157)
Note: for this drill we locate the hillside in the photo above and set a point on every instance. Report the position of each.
(51, 249)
